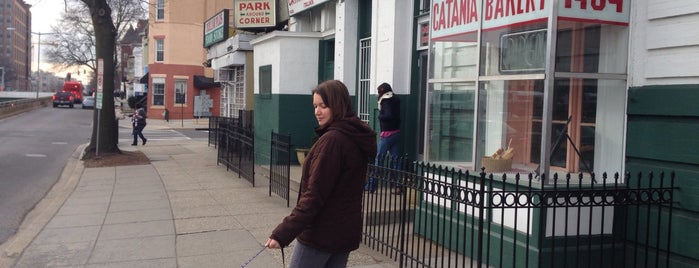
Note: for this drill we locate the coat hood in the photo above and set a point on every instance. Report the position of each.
(361, 134)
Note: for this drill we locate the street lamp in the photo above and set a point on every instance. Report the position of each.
(38, 58)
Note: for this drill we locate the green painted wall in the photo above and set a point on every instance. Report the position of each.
(284, 114)
(663, 122)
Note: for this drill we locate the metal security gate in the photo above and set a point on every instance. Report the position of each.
(235, 142)
(364, 78)
(279, 166)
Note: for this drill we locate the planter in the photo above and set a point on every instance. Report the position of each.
(301, 155)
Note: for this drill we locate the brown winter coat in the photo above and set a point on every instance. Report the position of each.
(328, 215)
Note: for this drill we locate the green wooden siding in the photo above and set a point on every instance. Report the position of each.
(668, 100)
(663, 122)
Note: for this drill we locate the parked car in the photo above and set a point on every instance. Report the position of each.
(89, 102)
(63, 98)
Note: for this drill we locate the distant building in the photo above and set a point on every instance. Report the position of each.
(15, 44)
(176, 60)
(130, 45)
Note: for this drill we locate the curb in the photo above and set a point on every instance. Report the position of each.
(43, 211)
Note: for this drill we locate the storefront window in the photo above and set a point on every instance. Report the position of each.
(495, 66)
(454, 60)
(591, 48)
(453, 72)
(512, 119)
(587, 125)
(451, 122)
(517, 49)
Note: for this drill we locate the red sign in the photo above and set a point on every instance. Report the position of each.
(452, 18)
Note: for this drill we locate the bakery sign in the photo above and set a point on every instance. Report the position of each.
(453, 18)
(216, 28)
(255, 13)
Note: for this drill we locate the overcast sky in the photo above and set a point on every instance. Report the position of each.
(45, 13)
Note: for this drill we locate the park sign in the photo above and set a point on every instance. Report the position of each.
(216, 28)
(255, 13)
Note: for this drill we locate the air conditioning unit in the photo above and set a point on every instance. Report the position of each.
(222, 75)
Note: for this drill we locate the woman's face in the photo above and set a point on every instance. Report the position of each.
(321, 111)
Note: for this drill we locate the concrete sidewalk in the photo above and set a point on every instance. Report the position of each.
(182, 210)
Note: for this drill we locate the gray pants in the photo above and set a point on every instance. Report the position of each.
(305, 256)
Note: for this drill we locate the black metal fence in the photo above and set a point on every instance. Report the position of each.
(235, 143)
(425, 215)
(279, 166)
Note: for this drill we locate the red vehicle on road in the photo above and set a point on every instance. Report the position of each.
(75, 88)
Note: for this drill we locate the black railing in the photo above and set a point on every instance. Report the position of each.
(279, 166)
(425, 215)
(236, 146)
(216, 126)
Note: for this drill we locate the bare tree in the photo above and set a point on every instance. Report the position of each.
(74, 41)
(104, 135)
(81, 41)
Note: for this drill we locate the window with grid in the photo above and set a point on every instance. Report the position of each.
(158, 91)
(159, 50)
(265, 81)
(364, 78)
(160, 10)
(238, 89)
(233, 99)
(180, 91)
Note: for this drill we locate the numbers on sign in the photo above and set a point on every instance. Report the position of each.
(596, 4)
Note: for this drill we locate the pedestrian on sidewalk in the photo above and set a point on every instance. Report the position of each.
(327, 219)
(138, 121)
(389, 139)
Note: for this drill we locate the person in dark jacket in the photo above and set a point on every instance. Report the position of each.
(389, 140)
(138, 121)
(327, 219)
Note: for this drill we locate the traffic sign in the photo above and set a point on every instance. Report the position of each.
(98, 101)
(100, 75)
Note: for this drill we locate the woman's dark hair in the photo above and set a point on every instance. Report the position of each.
(336, 97)
(383, 88)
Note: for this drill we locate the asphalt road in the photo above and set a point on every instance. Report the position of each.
(34, 148)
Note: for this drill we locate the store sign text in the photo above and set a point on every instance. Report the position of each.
(216, 28)
(296, 6)
(255, 13)
(456, 17)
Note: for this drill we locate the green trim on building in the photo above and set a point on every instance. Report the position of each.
(663, 121)
(285, 114)
(668, 100)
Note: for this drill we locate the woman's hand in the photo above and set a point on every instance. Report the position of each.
(271, 243)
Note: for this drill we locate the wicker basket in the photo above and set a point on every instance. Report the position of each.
(496, 165)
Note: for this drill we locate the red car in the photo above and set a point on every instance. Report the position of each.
(76, 88)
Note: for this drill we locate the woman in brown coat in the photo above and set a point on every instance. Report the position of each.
(327, 219)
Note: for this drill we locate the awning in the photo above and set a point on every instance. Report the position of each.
(203, 82)
(144, 79)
